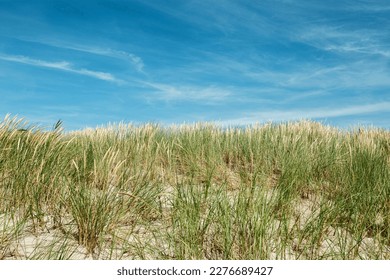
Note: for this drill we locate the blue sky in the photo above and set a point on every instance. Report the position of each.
(91, 63)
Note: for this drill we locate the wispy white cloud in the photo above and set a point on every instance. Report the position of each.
(225, 16)
(369, 49)
(136, 61)
(169, 92)
(286, 115)
(353, 75)
(342, 40)
(369, 6)
(60, 65)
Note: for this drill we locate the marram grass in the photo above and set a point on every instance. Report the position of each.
(297, 190)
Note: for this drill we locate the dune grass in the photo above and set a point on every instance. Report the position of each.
(298, 190)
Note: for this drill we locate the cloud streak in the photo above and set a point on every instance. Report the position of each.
(60, 65)
(276, 115)
(188, 92)
(135, 60)
(341, 40)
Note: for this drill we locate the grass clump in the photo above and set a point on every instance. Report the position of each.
(275, 191)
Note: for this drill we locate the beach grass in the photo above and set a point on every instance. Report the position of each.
(297, 190)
